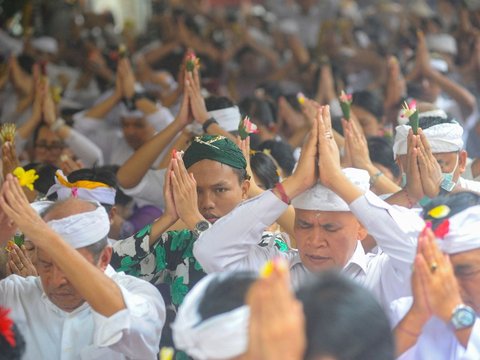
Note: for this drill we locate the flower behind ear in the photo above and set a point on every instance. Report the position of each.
(26, 178)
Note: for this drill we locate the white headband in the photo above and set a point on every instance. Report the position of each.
(223, 336)
(83, 229)
(463, 234)
(320, 198)
(446, 137)
(228, 118)
(103, 195)
(158, 119)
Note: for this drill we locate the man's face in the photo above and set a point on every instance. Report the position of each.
(55, 285)
(218, 188)
(48, 146)
(136, 131)
(326, 239)
(467, 271)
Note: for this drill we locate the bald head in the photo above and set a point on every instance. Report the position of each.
(68, 207)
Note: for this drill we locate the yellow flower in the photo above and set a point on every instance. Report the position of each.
(267, 269)
(26, 178)
(166, 353)
(439, 212)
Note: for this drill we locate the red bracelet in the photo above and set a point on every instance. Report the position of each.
(283, 195)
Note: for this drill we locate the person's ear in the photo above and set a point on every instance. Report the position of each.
(112, 213)
(361, 232)
(462, 161)
(245, 187)
(105, 258)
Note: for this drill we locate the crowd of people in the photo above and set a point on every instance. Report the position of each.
(278, 179)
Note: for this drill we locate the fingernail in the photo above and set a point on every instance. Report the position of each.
(174, 153)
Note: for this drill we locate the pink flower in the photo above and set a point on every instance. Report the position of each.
(409, 109)
(250, 127)
(345, 98)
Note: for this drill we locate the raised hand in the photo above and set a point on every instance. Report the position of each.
(16, 207)
(19, 263)
(128, 78)
(357, 145)
(275, 332)
(48, 106)
(414, 186)
(170, 209)
(197, 103)
(328, 154)
(9, 158)
(430, 170)
(184, 189)
(436, 273)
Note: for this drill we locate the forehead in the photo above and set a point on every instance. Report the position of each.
(209, 172)
(130, 121)
(324, 216)
(46, 134)
(43, 256)
(471, 257)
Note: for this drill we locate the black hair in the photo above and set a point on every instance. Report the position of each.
(218, 102)
(265, 169)
(7, 352)
(120, 197)
(282, 153)
(225, 293)
(344, 321)
(103, 175)
(46, 176)
(457, 202)
(241, 174)
(381, 151)
(370, 102)
(426, 122)
(261, 111)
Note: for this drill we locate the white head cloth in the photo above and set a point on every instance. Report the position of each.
(446, 137)
(159, 119)
(320, 198)
(41, 206)
(103, 195)
(444, 43)
(227, 118)
(46, 44)
(220, 337)
(463, 232)
(83, 229)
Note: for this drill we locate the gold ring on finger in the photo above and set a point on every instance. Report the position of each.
(433, 267)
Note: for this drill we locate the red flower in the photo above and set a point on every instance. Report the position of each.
(442, 229)
(6, 327)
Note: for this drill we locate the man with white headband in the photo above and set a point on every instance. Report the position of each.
(78, 307)
(442, 321)
(331, 219)
(445, 137)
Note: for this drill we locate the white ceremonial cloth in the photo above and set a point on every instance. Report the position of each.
(437, 340)
(51, 333)
(231, 244)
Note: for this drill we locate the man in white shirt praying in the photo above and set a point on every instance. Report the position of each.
(331, 219)
(78, 307)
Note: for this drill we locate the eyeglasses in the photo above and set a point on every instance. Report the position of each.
(55, 146)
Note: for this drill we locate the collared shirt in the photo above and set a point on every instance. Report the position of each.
(228, 244)
(52, 333)
(437, 340)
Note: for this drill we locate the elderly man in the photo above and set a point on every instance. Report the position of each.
(443, 321)
(444, 138)
(330, 221)
(78, 307)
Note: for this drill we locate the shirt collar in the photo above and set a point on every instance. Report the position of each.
(358, 260)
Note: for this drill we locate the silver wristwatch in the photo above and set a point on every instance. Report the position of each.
(463, 316)
(200, 227)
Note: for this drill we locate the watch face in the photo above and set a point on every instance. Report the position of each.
(202, 225)
(464, 316)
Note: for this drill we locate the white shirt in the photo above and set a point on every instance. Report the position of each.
(147, 192)
(231, 244)
(51, 333)
(437, 340)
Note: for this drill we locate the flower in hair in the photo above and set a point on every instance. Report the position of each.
(26, 178)
(246, 127)
(410, 111)
(345, 103)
